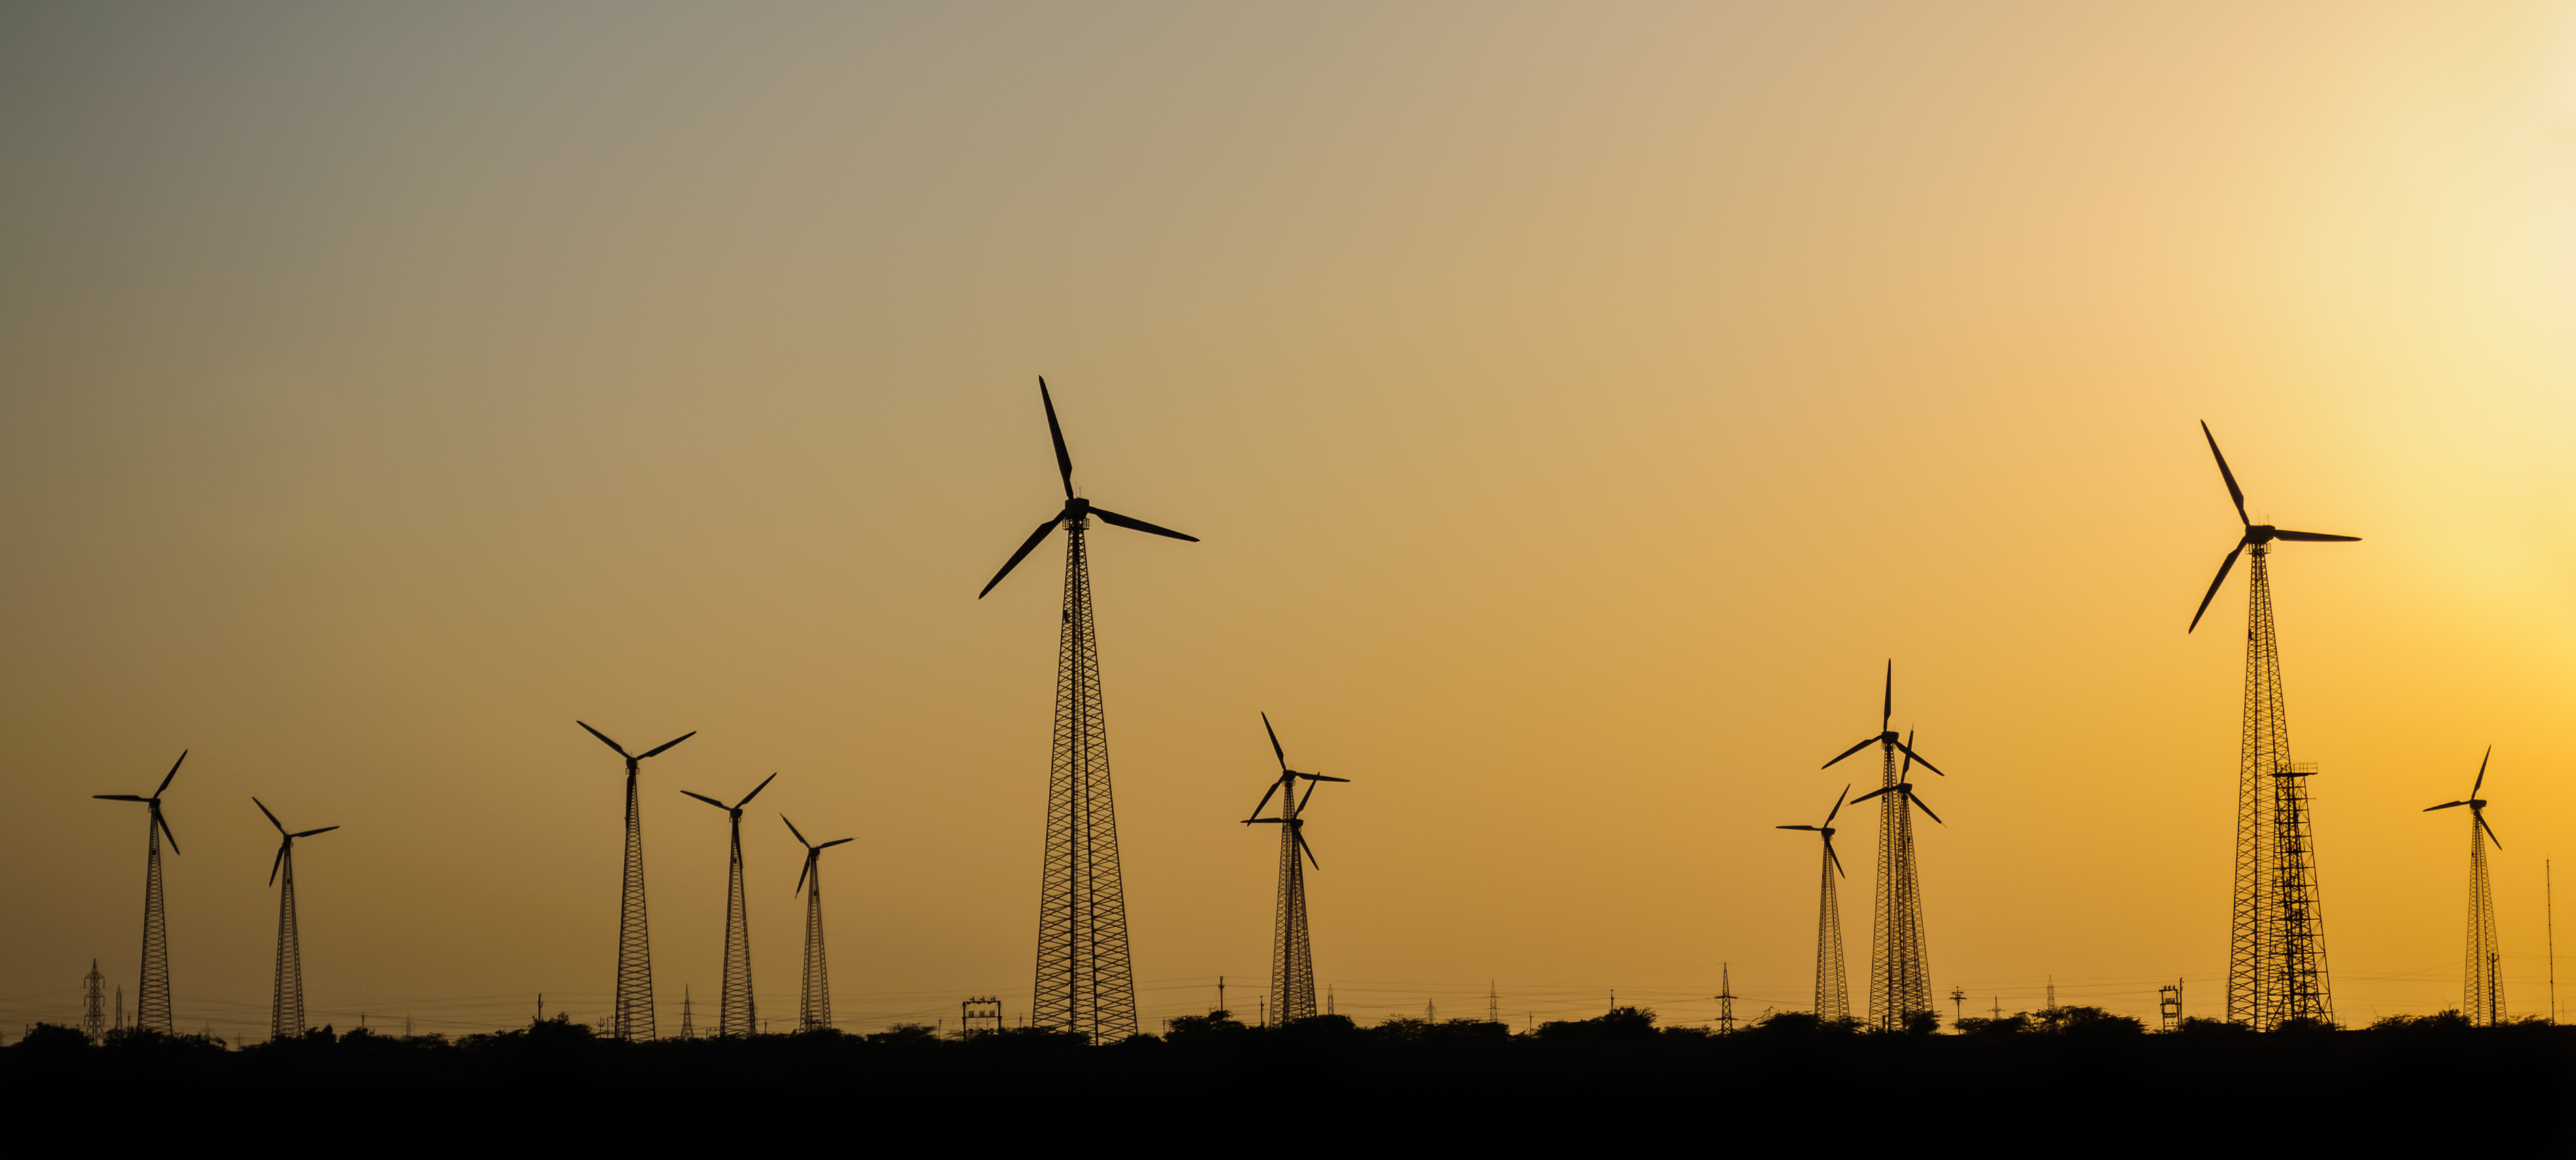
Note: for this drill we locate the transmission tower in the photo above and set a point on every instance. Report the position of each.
(1725, 997)
(2482, 973)
(1292, 957)
(1900, 969)
(734, 1014)
(152, 993)
(632, 1017)
(1833, 995)
(120, 1006)
(286, 996)
(2276, 966)
(1085, 977)
(1493, 1002)
(814, 995)
(688, 1019)
(94, 1003)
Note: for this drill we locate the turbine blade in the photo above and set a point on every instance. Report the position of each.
(1838, 805)
(310, 833)
(2233, 492)
(1887, 697)
(800, 875)
(2481, 816)
(1255, 821)
(1310, 850)
(755, 791)
(1908, 746)
(1797, 827)
(1026, 546)
(603, 739)
(1275, 750)
(1872, 794)
(1836, 860)
(2482, 773)
(834, 842)
(1909, 796)
(1063, 459)
(800, 834)
(2212, 594)
(1266, 795)
(667, 744)
(281, 826)
(174, 772)
(1133, 524)
(704, 798)
(1310, 796)
(2443, 806)
(1865, 743)
(120, 797)
(164, 823)
(1321, 777)
(1926, 762)
(2314, 537)
(276, 862)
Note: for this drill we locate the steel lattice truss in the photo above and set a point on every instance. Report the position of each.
(2276, 968)
(152, 994)
(1085, 980)
(633, 1016)
(286, 996)
(1900, 970)
(2483, 997)
(814, 994)
(1292, 957)
(735, 1014)
(1833, 994)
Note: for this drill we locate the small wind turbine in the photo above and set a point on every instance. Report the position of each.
(814, 998)
(2256, 535)
(2483, 973)
(1900, 967)
(152, 995)
(1075, 507)
(1292, 956)
(286, 997)
(1833, 995)
(1903, 787)
(734, 1012)
(632, 1017)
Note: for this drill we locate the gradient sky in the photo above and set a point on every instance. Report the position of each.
(1578, 404)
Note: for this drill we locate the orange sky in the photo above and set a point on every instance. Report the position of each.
(1578, 407)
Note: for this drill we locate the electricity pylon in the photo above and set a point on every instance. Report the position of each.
(286, 996)
(632, 1017)
(2482, 974)
(94, 1003)
(1086, 980)
(1292, 954)
(1900, 967)
(734, 1012)
(1833, 995)
(2276, 966)
(814, 997)
(152, 994)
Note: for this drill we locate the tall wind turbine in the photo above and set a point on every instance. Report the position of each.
(2276, 965)
(734, 1012)
(1085, 980)
(1292, 956)
(2482, 975)
(1900, 970)
(632, 1018)
(1833, 995)
(152, 996)
(286, 997)
(814, 997)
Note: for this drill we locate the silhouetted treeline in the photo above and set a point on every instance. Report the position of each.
(2070, 1079)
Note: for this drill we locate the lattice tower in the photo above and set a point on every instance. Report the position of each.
(1085, 979)
(1900, 974)
(814, 994)
(152, 992)
(2263, 752)
(632, 1017)
(1292, 958)
(735, 1014)
(2298, 987)
(2483, 997)
(286, 994)
(94, 1003)
(1833, 993)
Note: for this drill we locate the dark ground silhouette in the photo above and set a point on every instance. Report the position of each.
(2062, 1080)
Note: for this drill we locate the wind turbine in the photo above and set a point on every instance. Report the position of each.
(286, 998)
(814, 998)
(2276, 937)
(1086, 980)
(1900, 971)
(734, 1012)
(1292, 957)
(2483, 973)
(152, 996)
(632, 1018)
(1833, 996)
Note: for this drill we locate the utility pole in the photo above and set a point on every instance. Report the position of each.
(2052, 991)
(2549, 913)
(1328, 998)
(1220, 996)
(2169, 1005)
(1493, 1003)
(1958, 1014)
(1999, 1006)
